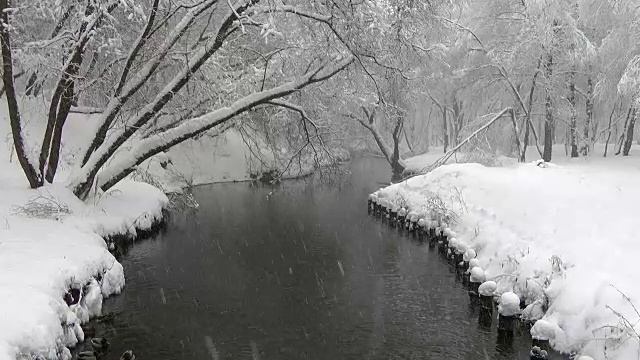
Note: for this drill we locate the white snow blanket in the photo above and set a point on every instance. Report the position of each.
(41, 258)
(560, 236)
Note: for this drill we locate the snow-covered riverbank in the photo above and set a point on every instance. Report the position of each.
(568, 229)
(51, 242)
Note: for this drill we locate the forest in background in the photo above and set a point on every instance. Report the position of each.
(308, 77)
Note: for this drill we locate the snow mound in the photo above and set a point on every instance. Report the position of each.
(130, 205)
(487, 288)
(473, 263)
(533, 311)
(447, 231)
(509, 304)
(543, 330)
(477, 275)
(461, 248)
(469, 254)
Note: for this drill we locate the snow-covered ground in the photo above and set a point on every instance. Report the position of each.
(420, 163)
(50, 242)
(567, 229)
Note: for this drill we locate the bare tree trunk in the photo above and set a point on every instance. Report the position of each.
(429, 130)
(525, 140)
(549, 124)
(516, 133)
(628, 141)
(528, 125)
(606, 145)
(12, 103)
(573, 122)
(589, 120)
(15, 76)
(56, 142)
(396, 167)
(457, 120)
(391, 154)
(620, 141)
(445, 135)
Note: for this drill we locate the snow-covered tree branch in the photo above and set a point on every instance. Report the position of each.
(147, 147)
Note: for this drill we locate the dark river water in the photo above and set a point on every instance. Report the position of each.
(298, 271)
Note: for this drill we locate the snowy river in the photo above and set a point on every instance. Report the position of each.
(298, 271)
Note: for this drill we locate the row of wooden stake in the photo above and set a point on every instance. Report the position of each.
(418, 228)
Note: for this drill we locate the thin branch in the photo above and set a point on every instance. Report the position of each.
(326, 19)
(305, 119)
(462, 27)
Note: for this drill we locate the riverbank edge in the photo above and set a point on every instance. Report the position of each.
(424, 198)
(140, 211)
(434, 226)
(118, 244)
(301, 175)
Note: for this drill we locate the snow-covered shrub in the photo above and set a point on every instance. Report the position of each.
(618, 336)
(160, 173)
(43, 207)
(440, 211)
(535, 310)
(400, 201)
(142, 175)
